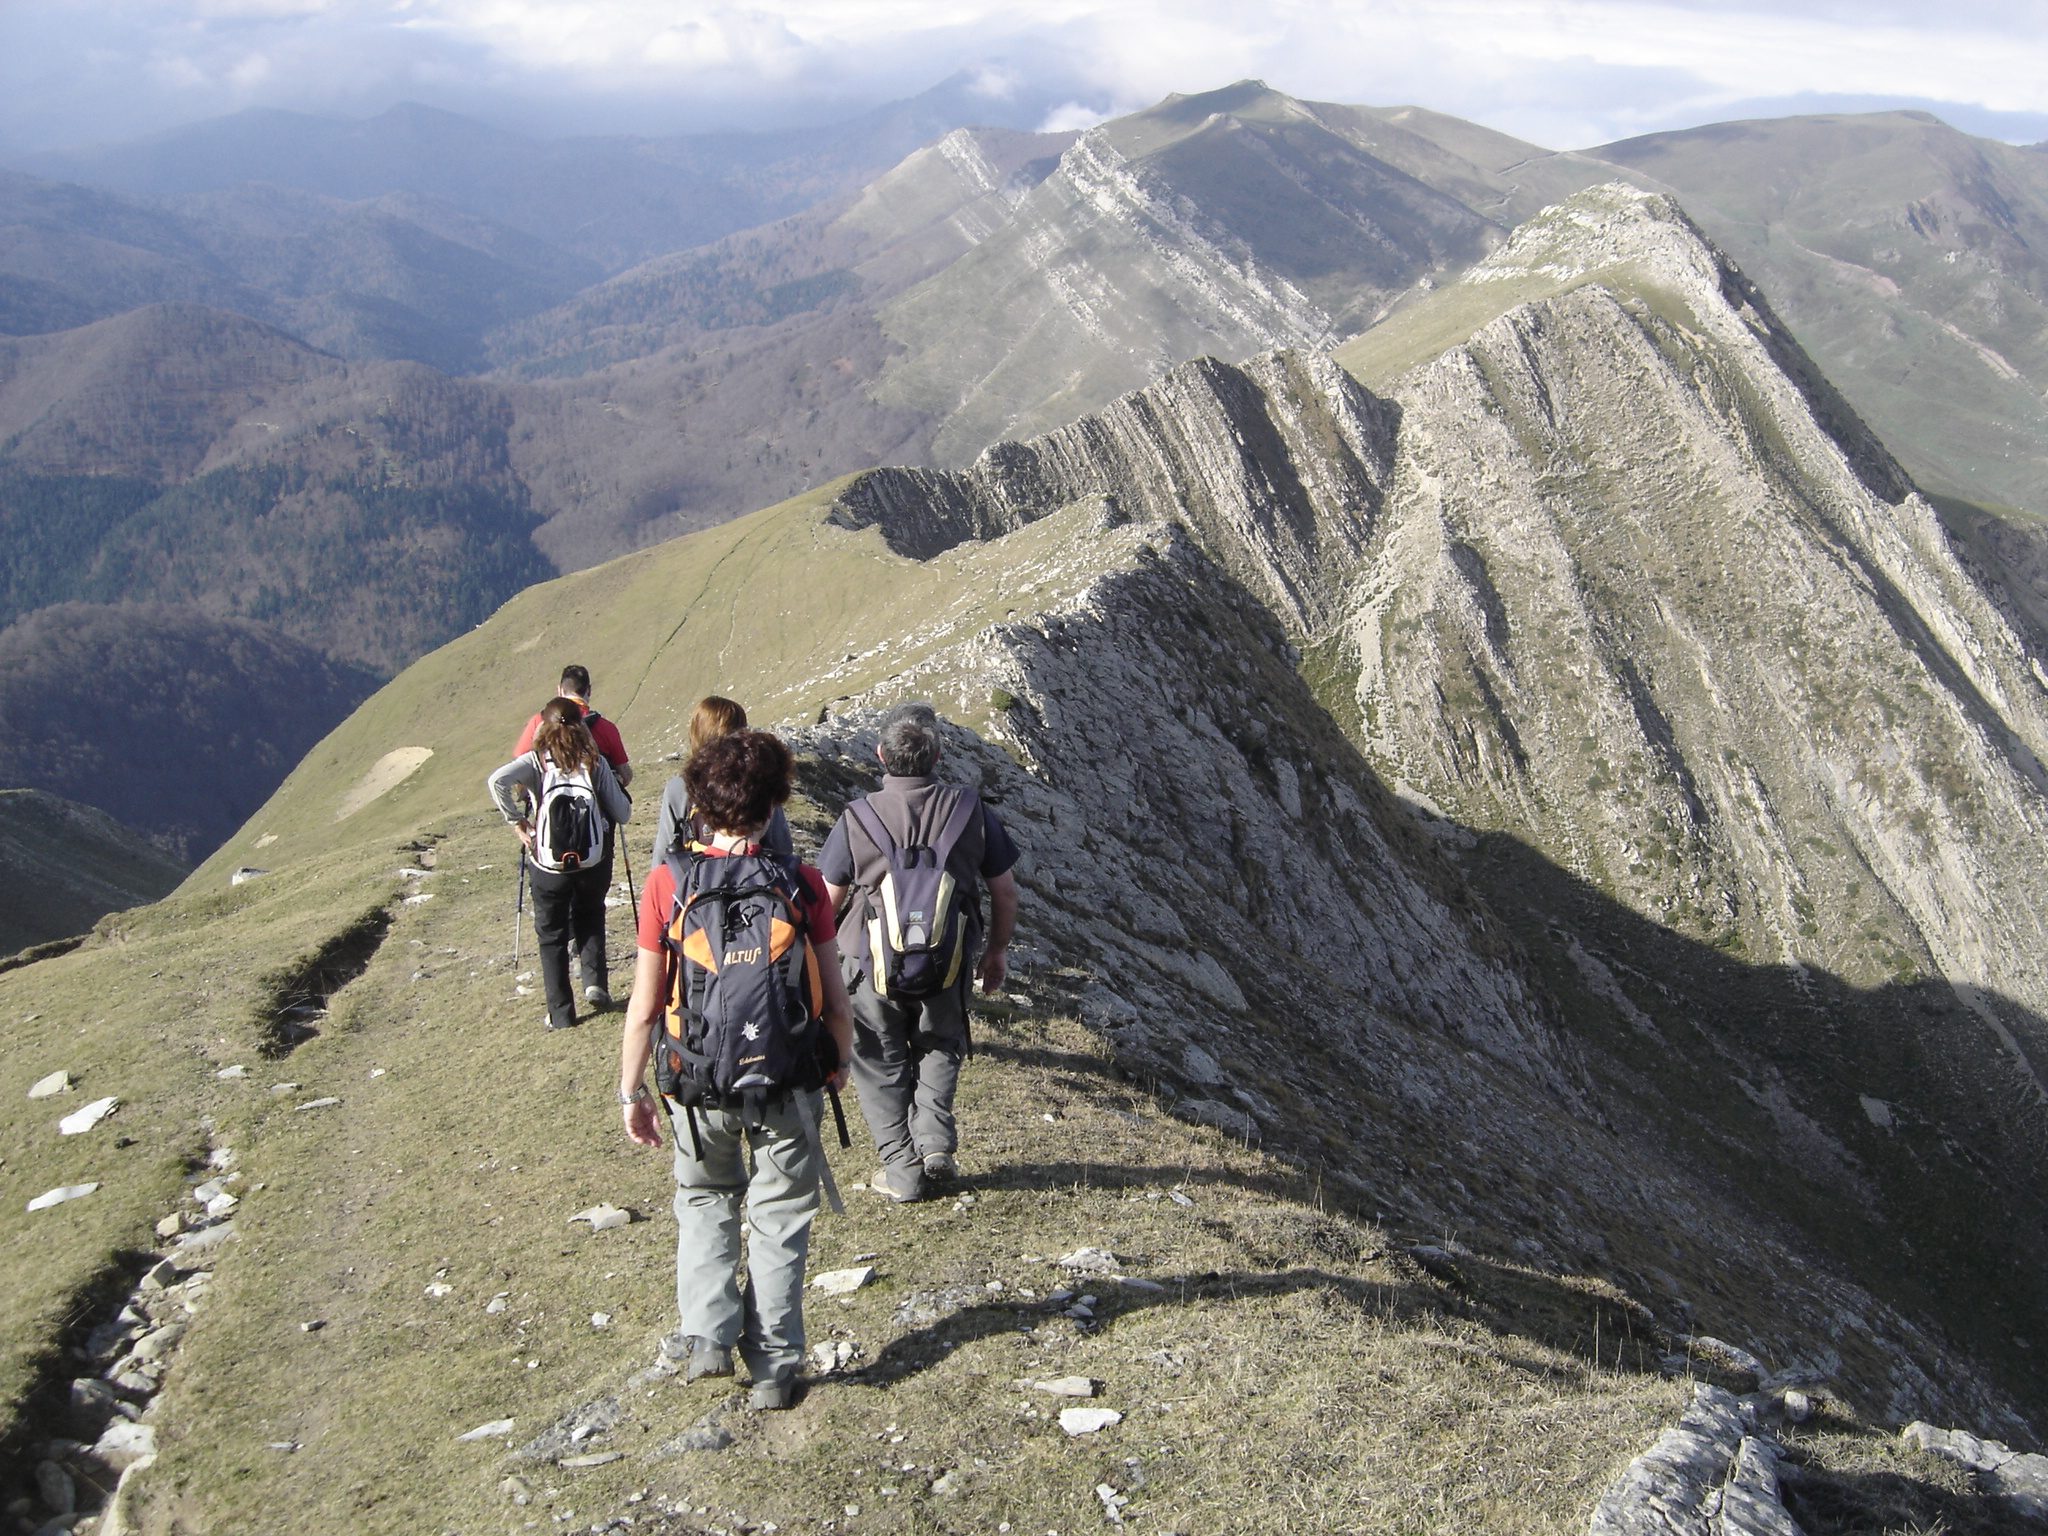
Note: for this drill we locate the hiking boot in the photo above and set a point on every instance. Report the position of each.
(552, 1022)
(697, 1355)
(940, 1167)
(902, 1185)
(597, 997)
(772, 1394)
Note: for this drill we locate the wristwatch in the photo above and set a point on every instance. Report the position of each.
(637, 1096)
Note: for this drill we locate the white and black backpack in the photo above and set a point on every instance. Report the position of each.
(569, 825)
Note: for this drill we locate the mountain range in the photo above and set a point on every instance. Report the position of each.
(313, 284)
(1543, 776)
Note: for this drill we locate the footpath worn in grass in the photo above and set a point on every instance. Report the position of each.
(406, 1269)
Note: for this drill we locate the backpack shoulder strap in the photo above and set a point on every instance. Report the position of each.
(678, 865)
(871, 823)
(964, 811)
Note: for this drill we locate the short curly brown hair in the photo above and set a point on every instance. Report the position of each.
(736, 781)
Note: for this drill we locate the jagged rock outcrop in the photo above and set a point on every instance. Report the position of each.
(1645, 592)
(1269, 935)
(1280, 466)
(1735, 739)
(1708, 1474)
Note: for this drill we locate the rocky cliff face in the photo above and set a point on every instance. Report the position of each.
(1666, 608)
(1686, 680)
(1234, 223)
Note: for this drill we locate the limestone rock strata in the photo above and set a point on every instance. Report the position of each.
(1677, 669)
(1635, 599)
(1267, 934)
(1280, 466)
(1706, 1474)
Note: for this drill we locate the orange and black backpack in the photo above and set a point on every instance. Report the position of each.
(741, 1026)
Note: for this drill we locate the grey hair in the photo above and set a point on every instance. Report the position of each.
(910, 741)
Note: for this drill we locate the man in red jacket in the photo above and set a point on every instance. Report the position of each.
(610, 745)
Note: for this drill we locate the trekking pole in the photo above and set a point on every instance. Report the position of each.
(631, 890)
(518, 910)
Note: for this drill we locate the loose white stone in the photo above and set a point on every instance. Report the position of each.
(1086, 1421)
(49, 1087)
(497, 1429)
(236, 1071)
(1067, 1386)
(834, 1355)
(221, 1204)
(60, 1194)
(79, 1121)
(171, 1226)
(843, 1282)
(498, 1303)
(600, 1319)
(125, 1443)
(603, 1218)
(439, 1288)
(416, 900)
(327, 1103)
(158, 1343)
(594, 1459)
(1091, 1261)
(205, 1240)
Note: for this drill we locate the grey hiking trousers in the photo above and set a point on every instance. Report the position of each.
(780, 1196)
(906, 1066)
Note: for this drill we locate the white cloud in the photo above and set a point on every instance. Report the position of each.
(995, 83)
(1071, 117)
(1561, 72)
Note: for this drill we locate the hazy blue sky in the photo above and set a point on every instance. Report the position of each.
(1564, 73)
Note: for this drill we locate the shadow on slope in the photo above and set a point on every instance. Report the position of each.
(1868, 1119)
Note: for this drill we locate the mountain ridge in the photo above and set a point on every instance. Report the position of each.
(1214, 652)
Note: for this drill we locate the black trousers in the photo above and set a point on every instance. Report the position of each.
(568, 916)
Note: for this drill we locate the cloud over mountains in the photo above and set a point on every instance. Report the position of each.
(1566, 73)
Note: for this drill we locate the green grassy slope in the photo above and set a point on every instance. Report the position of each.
(776, 609)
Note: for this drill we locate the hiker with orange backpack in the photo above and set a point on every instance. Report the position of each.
(738, 1002)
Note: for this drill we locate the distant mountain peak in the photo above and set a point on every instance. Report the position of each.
(1608, 225)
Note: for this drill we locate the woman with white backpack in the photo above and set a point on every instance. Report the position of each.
(563, 798)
